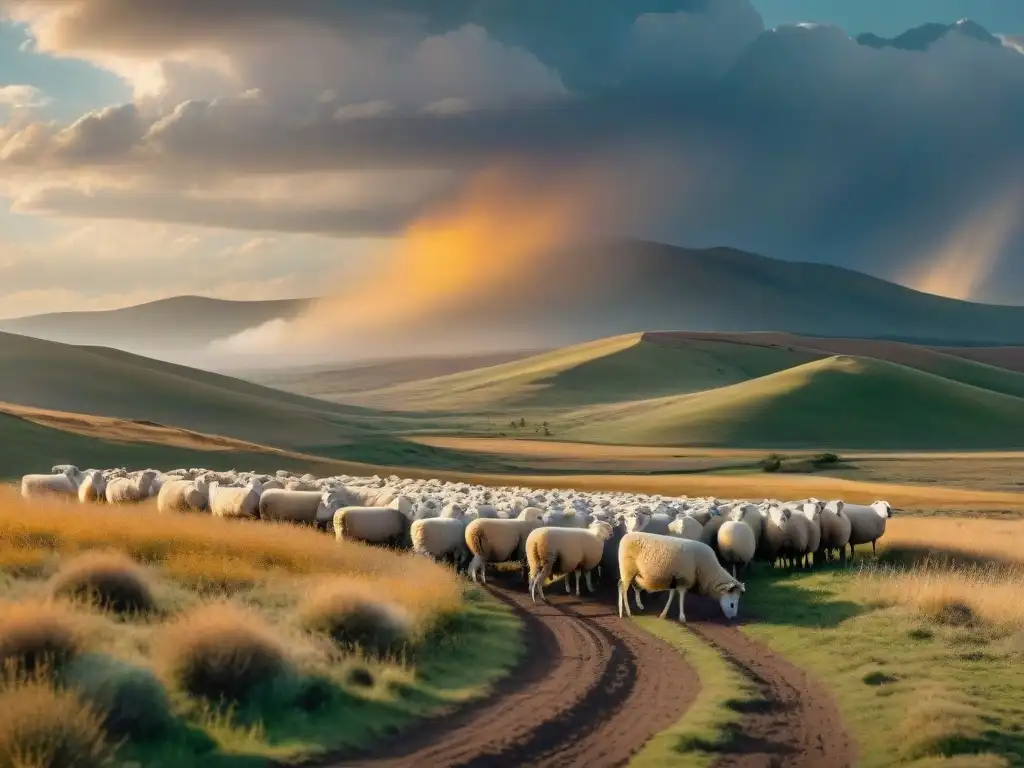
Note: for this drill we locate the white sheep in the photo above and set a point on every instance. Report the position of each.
(93, 487)
(685, 527)
(64, 483)
(442, 538)
(835, 530)
(564, 550)
(500, 541)
(130, 490)
(183, 496)
(660, 563)
(812, 511)
(233, 502)
(867, 524)
(373, 525)
(305, 507)
(736, 544)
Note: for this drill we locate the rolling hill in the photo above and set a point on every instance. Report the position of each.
(838, 402)
(178, 324)
(616, 369)
(105, 382)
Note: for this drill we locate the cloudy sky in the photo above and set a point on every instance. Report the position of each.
(264, 148)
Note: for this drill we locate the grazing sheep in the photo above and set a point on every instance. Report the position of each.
(130, 490)
(564, 550)
(686, 527)
(64, 483)
(373, 525)
(500, 541)
(183, 496)
(239, 503)
(835, 530)
(867, 524)
(660, 563)
(93, 487)
(442, 538)
(294, 506)
(736, 545)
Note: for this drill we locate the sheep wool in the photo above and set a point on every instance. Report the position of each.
(736, 544)
(499, 541)
(374, 525)
(130, 490)
(292, 506)
(442, 538)
(835, 528)
(686, 527)
(231, 502)
(564, 550)
(867, 524)
(59, 484)
(93, 488)
(183, 496)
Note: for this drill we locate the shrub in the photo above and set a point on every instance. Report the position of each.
(221, 654)
(34, 635)
(131, 699)
(111, 580)
(771, 463)
(45, 728)
(352, 616)
(826, 459)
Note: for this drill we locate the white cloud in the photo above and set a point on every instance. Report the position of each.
(22, 97)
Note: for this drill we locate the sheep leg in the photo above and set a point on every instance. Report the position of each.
(624, 599)
(568, 583)
(577, 582)
(682, 602)
(590, 585)
(474, 568)
(636, 596)
(874, 553)
(734, 569)
(541, 578)
(668, 603)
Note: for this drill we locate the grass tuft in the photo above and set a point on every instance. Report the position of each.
(354, 617)
(109, 580)
(221, 654)
(37, 635)
(43, 727)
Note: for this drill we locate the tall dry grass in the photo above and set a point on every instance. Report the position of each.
(959, 571)
(201, 550)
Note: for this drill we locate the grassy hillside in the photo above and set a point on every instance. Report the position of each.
(181, 322)
(105, 382)
(843, 402)
(610, 370)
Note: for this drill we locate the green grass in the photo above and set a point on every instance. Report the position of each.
(106, 382)
(691, 742)
(605, 371)
(841, 402)
(910, 691)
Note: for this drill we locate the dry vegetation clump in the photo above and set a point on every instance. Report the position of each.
(202, 551)
(109, 580)
(354, 617)
(43, 727)
(37, 635)
(957, 572)
(220, 653)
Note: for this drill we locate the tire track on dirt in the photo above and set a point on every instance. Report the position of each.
(589, 693)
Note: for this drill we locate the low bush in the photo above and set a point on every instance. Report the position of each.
(110, 580)
(45, 728)
(353, 617)
(37, 635)
(771, 463)
(219, 653)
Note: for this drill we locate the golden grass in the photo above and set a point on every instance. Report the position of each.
(957, 572)
(109, 579)
(354, 616)
(37, 635)
(200, 549)
(45, 728)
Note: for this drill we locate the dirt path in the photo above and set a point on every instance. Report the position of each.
(591, 692)
(795, 722)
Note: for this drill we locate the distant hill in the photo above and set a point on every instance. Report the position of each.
(106, 382)
(616, 369)
(837, 402)
(182, 323)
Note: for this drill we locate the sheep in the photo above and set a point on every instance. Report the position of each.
(62, 469)
(685, 527)
(812, 511)
(500, 541)
(660, 563)
(751, 515)
(93, 487)
(564, 550)
(867, 524)
(773, 534)
(64, 483)
(294, 506)
(835, 529)
(737, 545)
(441, 538)
(374, 525)
(182, 496)
(232, 502)
(709, 533)
(796, 534)
(130, 490)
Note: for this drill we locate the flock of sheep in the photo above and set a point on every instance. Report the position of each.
(653, 543)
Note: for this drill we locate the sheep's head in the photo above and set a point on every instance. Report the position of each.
(601, 530)
(730, 601)
(812, 511)
(883, 508)
(835, 507)
(636, 521)
(531, 515)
